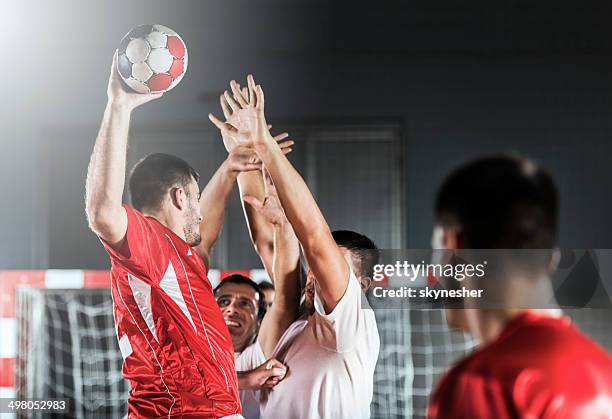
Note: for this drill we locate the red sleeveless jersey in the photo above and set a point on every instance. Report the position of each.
(178, 354)
(538, 367)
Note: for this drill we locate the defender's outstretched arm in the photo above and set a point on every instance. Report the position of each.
(251, 183)
(286, 269)
(323, 255)
(213, 199)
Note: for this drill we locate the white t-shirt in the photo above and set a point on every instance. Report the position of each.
(330, 360)
(247, 360)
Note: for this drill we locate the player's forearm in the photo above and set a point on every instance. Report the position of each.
(245, 382)
(260, 230)
(286, 270)
(285, 309)
(106, 172)
(213, 201)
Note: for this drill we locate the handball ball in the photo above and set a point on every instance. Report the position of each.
(152, 58)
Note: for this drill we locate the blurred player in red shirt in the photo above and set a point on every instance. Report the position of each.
(531, 363)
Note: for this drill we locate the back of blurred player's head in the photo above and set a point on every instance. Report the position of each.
(154, 176)
(500, 202)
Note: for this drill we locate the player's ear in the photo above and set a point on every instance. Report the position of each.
(178, 198)
(365, 282)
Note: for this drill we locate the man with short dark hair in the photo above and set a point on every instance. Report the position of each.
(178, 354)
(532, 363)
(147, 187)
(243, 306)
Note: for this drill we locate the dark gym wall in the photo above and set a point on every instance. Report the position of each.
(465, 79)
(484, 77)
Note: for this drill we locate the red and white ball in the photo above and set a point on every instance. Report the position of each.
(152, 58)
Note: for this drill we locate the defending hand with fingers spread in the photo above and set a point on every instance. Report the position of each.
(243, 110)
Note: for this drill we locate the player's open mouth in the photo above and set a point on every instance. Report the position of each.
(232, 323)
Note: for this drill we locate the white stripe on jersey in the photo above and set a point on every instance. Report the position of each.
(170, 285)
(142, 294)
(148, 343)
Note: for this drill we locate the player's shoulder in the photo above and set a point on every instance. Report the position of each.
(536, 343)
(133, 212)
(135, 216)
(544, 341)
(543, 356)
(146, 226)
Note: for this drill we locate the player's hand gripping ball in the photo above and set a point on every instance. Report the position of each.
(152, 58)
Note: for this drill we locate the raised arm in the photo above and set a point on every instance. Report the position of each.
(286, 269)
(251, 183)
(106, 171)
(323, 255)
(213, 199)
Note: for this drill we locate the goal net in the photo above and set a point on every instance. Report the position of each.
(416, 346)
(67, 348)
